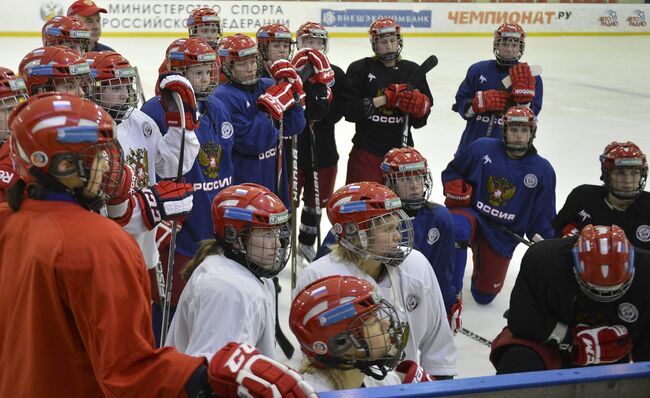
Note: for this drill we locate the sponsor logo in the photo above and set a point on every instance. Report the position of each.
(530, 181)
(628, 312)
(643, 233)
(360, 18)
(482, 79)
(433, 236)
(226, 130)
(486, 159)
(500, 190)
(371, 77)
(637, 19)
(319, 347)
(584, 215)
(609, 18)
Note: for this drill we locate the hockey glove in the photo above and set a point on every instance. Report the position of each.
(413, 102)
(605, 344)
(454, 317)
(523, 83)
(410, 372)
(391, 92)
(120, 206)
(239, 370)
(164, 233)
(490, 101)
(174, 82)
(8, 177)
(570, 230)
(458, 193)
(277, 99)
(167, 200)
(323, 72)
(283, 71)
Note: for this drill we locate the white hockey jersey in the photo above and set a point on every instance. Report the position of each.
(148, 153)
(412, 288)
(223, 301)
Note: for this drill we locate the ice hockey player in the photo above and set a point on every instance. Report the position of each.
(323, 109)
(621, 200)
(229, 294)
(205, 23)
(347, 331)
(274, 42)
(80, 280)
(88, 12)
(12, 93)
(260, 110)
(497, 188)
(374, 240)
(578, 301)
(212, 170)
(148, 153)
(482, 99)
(377, 100)
(70, 32)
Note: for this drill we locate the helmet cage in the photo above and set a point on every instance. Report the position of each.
(123, 77)
(210, 59)
(519, 116)
(12, 93)
(371, 238)
(204, 17)
(314, 30)
(623, 155)
(508, 33)
(275, 33)
(231, 56)
(385, 27)
(67, 31)
(57, 74)
(276, 237)
(400, 167)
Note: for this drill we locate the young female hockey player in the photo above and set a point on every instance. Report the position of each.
(70, 32)
(497, 188)
(204, 23)
(577, 302)
(79, 278)
(621, 200)
(229, 294)
(347, 332)
(377, 100)
(481, 98)
(374, 241)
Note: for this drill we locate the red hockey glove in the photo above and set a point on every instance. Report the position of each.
(239, 370)
(120, 206)
(413, 102)
(570, 230)
(458, 193)
(523, 83)
(277, 99)
(323, 72)
(166, 200)
(8, 177)
(174, 82)
(454, 317)
(605, 344)
(391, 92)
(164, 233)
(490, 100)
(283, 71)
(410, 372)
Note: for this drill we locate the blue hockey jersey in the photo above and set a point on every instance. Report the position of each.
(212, 170)
(481, 76)
(256, 137)
(516, 193)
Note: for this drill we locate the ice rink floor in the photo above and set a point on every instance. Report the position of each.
(596, 90)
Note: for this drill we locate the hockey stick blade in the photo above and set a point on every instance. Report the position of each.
(422, 70)
(535, 70)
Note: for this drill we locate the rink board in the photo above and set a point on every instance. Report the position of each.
(628, 380)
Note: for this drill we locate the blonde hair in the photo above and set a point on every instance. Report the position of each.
(206, 248)
(343, 254)
(341, 379)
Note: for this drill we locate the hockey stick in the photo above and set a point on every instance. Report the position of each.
(294, 210)
(515, 236)
(278, 156)
(418, 75)
(314, 166)
(475, 337)
(172, 242)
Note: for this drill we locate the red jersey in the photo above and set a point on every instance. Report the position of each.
(7, 174)
(75, 311)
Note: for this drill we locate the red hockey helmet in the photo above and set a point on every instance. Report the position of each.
(509, 33)
(52, 127)
(604, 262)
(184, 55)
(368, 220)
(12, 93)
(116, 86)
(384, 27)
(254, 223)
(50, 68)
(406, 172)
(205, 24)
(517, 115)
(623, 155)
(236, 50)
(313, 30)
(342, 323)
(67, 31)
(274, 33)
